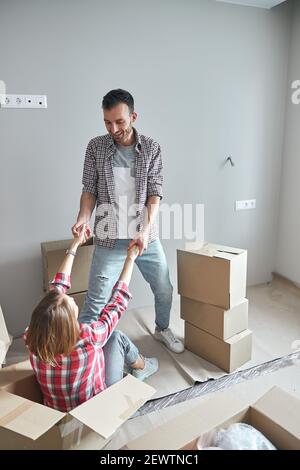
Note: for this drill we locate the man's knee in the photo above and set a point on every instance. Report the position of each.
(165, 294)
(166, 289)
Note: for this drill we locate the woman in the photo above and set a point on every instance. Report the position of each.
(73, 362)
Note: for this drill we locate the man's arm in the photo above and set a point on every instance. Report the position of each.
(152, 207)
(154, 195)
(87, 205)
(89, 192)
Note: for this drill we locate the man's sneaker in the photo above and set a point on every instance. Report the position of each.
(151, 366)
(167, 337)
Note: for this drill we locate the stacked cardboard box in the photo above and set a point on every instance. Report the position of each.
(53, 254)
(212, 285)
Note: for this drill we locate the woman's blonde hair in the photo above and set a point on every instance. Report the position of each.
(53, 328)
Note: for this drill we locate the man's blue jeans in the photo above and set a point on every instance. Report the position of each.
(106, 267)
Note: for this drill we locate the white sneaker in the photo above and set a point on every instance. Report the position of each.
(167, 337)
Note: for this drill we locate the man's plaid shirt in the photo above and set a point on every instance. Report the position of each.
(98, 179)
(81, 375)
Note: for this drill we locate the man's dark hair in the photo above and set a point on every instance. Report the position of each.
(115, 97)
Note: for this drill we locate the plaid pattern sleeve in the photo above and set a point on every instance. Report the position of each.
(101, 329)
(155, 177)
(61, 282)
(90, 177)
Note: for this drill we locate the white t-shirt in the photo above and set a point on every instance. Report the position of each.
(125, 190)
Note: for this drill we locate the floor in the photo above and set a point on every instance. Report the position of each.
(274, 317)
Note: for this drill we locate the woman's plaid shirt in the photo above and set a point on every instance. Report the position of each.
(81, 375)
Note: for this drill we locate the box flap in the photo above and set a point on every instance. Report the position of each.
(26, 417)
(218, 251)
(282, 408)
(5, 338)
(105, 412)
(194, 246)
(210, 413)
(238, 337)
(3, 350)
(227, 249)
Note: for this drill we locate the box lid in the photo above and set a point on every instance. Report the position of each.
(218, 251)
(238, 336)
(5, 338)
(176, 433)
(26, 417)
(282, 408)
(105, 412)
(278, 405)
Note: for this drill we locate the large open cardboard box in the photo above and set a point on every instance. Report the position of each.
(228, 354)
(215, 320)
(53, 254)
(214, 274)
(27, 424)
(5, 338)
(276, 414)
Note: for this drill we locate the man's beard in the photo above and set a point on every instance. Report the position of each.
(128, 130)
(126, 133)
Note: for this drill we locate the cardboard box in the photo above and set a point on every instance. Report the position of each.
(215, 320)
(276, 414)
(53, 254)
(5, 339)
(228, 355)
(27, 424)
(79, 299)
(214, 274)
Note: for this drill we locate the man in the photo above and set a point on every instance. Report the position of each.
(123, 176)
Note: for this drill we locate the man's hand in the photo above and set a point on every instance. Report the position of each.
(133, 252)
(141, 240)
(76, 229)
(81, 238)
(87, 205)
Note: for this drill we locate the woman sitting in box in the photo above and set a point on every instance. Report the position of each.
(73, 362)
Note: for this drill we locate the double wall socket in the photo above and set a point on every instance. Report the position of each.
(23, 101)
(245, 205)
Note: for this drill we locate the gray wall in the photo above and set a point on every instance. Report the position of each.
(209, 80)
(288, 247)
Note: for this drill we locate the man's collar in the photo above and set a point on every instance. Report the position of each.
(138, 144)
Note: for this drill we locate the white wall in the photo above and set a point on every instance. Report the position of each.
(288, 247)
(209, 80)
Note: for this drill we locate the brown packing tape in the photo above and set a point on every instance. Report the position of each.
(132, 407)
(18, 411)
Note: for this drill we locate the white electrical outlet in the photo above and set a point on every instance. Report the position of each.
(40, 101)
(28, 101)
(23, 101)
(245, 205)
